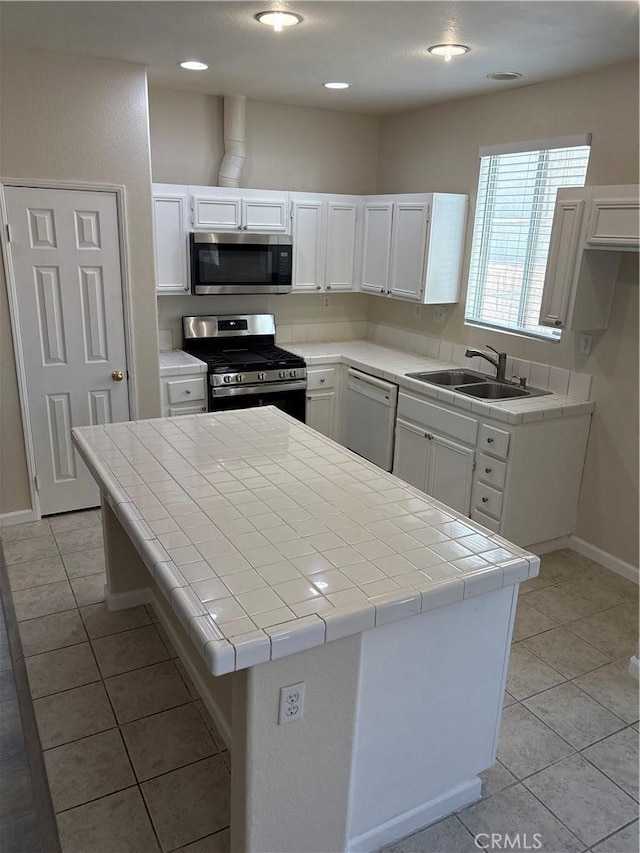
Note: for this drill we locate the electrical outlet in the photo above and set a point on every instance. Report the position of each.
(586, 342)
(418, 310)
(326, 302)
(439, 314)
(291, 703)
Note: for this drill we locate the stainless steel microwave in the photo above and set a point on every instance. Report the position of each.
(240, 263)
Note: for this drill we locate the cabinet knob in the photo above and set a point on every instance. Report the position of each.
(485, 500)
(558, 322)
(489, 441)
(322, 378)
(318, 287)
(187, 391)
(488, 470)
(328, 287)
(382, 290)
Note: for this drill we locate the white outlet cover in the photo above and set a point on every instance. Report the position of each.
(291, 706)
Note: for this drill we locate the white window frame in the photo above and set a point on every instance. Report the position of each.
(482, 227)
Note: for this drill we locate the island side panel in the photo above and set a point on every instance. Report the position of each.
(290, 783)
(128, 578)
(429, 711)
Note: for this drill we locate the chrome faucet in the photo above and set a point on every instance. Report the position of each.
(500, 363)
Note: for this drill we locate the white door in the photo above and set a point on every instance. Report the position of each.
(377, 247)
(341, 245)
(450, 472)
(411, 455)
(408, 247)
(308, 258)
(64, 250)
(320, 412)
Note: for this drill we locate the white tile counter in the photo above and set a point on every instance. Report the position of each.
(176, 362)
(268, 538)
(394, 364)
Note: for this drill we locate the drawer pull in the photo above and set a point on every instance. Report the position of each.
(485, 500)
(488, 470)
(187, 391)
(322, 379)
(489, 441)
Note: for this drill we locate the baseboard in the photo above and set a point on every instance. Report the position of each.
(417, 818)
(540, 548)
(125, 600)
(605, 559)
(20, 516)
(634, 667)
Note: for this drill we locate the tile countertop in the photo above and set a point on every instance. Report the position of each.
(177, 361)
(268, 538)
(393, 365)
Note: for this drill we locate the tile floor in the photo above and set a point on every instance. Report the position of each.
(108, 689)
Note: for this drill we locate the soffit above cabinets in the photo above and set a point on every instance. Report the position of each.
(379, 47)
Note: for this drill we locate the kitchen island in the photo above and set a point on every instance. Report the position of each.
(276, 558)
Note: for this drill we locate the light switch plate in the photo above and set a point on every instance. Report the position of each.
(439, 314)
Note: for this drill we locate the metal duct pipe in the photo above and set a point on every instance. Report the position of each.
(234, 148)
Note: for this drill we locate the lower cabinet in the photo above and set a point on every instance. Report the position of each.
(323, 396)
(185, 394)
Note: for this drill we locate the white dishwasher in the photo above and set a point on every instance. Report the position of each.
(370, 410)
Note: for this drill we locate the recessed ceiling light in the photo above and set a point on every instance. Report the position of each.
(194, 65)
(504, 76)
(278, 20)
(336, 85)
(448, 50)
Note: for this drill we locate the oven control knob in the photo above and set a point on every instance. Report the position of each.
(282, 374)
(240, 377)
(262, 375)
(226, 379)
(293, 373)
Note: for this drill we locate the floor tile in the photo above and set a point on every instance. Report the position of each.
(36, 573)
(189, 803)
(495, 779)
(101, 622)
(129, 650)
(526, 744)
(617, 757)
(118, 823)
(79, 540)
(166, 741)
(573, 715)
(588, 803)
(218, 843)
(528, 674)
(446, 836)
(614, 688)
(213, 729)
(42, 600)
(560, 604)
(81, 563)
(51, 632)
(87, 769)
(73, 714)
(623, 841)
(603, 595)
(514, 811)
(20, 835)
(27, 550)
(565, 652)
(89, 589)
(146, 691)
(530, 621)
(608, 632)
(74, 521)
(61, 669)
(14, 532)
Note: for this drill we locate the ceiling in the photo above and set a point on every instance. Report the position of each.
(377, 46)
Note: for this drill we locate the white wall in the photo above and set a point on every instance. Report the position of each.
(68, 118)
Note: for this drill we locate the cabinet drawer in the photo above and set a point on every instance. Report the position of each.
(485, 520)
(488, 500)
(491, 471)
(494, 441)
(177, 411)
(435, 417)
(320, 380)
(185, 390)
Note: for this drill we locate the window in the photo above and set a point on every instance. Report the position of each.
(512, 229)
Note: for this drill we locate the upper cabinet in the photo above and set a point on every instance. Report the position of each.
(413, 246)
(325, 241)
(591, 226)
(171, 228)
(229, 209)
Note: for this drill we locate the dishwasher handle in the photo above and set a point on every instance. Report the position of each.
(371, 386)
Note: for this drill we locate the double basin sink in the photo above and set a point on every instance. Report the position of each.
(476, 384)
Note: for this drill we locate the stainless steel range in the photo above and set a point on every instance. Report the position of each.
(245, 367)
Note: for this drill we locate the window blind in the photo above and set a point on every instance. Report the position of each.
(512, 231)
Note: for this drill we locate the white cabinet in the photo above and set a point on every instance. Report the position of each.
(325, 240)
(323, 399)
(183, 394)
(228, 209)
(591, 225)
(171, 227)
(413, 246)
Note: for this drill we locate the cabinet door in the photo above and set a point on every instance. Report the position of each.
(450, 472)
(308, 252)
(564, 252)
(614, 223)
(170, 211)
(411, 455)
(217, 213)
(320, 413)
(341, 246)
(408, 247)
(266, 215)
(377, 247)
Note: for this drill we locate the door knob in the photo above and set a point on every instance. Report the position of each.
(117, 376)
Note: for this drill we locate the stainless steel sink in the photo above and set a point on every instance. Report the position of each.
(494, 391)
(450, 377)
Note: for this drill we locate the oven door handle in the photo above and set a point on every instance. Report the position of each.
(218, 391)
